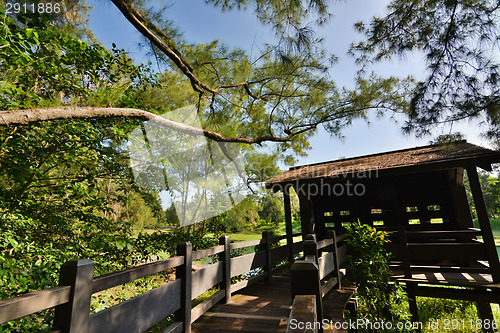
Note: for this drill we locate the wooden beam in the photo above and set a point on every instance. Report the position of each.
(459, 197)
(472, 295)
(268, 267)
(412, 300)
(404, 251)
(306, 212)
(27, 304)
(484, 312)
(304, 311)
(288, 223)
(226, 259)
(484, 223)
(203, 307)
(138, 313)
(184, 273)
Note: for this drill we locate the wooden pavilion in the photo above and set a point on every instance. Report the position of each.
(418, 196)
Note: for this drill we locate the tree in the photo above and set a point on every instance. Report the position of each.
(272, 209)
(282, 96)
(459, 40)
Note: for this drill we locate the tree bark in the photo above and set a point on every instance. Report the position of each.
(24, 117)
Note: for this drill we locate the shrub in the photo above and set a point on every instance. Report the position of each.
(367, 264)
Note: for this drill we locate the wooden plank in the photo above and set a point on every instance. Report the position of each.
(240, 245)
(288, 223)
(298, 247)
(334, 304)
(277, 238)
(113, 279)
(303, 311)
(176, 327)
(326, 264)
(342, 253)
(472, 295)
(197, 255)
(139, 313)
(279, 253)
(245, 283)
(203, 307)
(27, 304)
(456, 269)
(206, 278)
(328, 286)
(443, 234)
(247, 262)
(449, 251)
(324, 243)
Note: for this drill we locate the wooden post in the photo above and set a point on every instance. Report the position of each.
(405, 253)
(73, 317)
(288, 223)
(484, 222)
(333, 235)
(184, 272)
(225, 257)
(268, 268)
(305, 277)
(485, 314)
(412, 301)
(306, 213)
(311, 247)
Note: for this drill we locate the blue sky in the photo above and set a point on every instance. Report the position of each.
(203, 23)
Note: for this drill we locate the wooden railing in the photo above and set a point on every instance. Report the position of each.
(72, 298)
(315, 276)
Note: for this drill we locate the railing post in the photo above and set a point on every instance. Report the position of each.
(311, 247)
(405, 253)
(225, 257)
(184, 272)
(73, 317)
(305, 277)
(288, 223)
(266, 236)
(409, 286)
(333, 235)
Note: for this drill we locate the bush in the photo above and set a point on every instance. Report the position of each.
(367, 264)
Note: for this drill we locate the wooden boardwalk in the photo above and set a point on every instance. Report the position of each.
(261, 307)
(265, 307)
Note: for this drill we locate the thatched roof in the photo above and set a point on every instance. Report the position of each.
(433, 157)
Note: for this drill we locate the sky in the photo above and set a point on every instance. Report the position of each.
(203, 23)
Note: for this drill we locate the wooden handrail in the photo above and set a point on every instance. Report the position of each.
(303, 312)
(114, 279)
(24, 305)
(200, 254)
(241, 245)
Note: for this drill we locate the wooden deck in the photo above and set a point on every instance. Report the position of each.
(261, 307)
(265, 307)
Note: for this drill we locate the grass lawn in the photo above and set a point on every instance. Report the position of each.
(249, 235)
